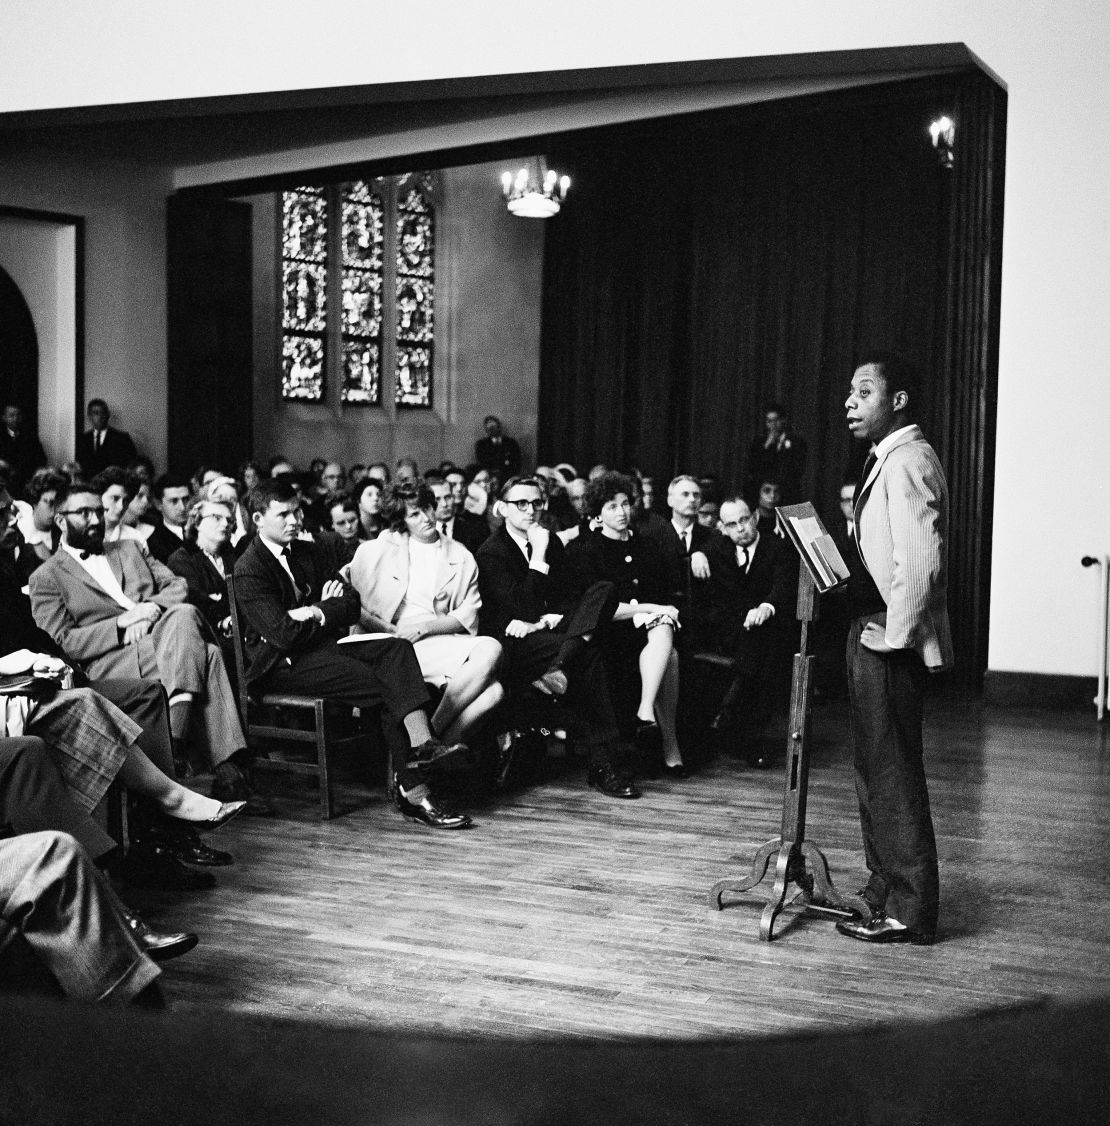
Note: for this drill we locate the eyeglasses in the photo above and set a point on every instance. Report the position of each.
(221, 516)
(525, 505)
(84, 513)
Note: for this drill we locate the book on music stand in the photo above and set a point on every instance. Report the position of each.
(815, 547)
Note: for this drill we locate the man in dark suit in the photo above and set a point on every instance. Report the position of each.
(172, 494)
(19, 447)
(776, 455)
(103, 445)
(683, 540)
(547, 627)
(463, 527)
(296, 607)
(497, 452)
(901, 524)
(745, 615)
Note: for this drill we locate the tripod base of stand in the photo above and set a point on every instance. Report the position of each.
(813, 887)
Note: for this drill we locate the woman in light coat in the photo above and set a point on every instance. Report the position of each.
(418, 585)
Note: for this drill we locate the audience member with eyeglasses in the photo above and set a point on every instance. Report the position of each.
(548, 629)
(121, 613)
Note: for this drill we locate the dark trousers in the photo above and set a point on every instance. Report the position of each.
(381, 673)
(34, 797)
(886, 698)
(526, 658)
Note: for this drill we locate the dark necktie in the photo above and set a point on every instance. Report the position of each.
(443, 529)
(743, 558)
(287, 555)
(528, 551)
(868, 465)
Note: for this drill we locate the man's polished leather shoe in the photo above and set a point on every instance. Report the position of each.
(222, 816)
(882, 928)
(450, 756)
(607, 781)
(182, 842)
(426, 812)
(230, 785)
(155, 867)
(160, 947)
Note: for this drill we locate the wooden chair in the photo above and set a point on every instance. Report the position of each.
(259, 722)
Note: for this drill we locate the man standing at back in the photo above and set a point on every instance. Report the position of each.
(901, 520)
(103, 445)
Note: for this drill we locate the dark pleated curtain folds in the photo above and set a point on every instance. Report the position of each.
(705, 266)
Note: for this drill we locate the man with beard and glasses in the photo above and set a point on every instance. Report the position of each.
(120, 613)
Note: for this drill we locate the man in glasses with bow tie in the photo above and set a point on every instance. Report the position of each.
(533, 604)
(122, 614)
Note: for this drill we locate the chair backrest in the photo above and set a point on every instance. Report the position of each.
(237, 645)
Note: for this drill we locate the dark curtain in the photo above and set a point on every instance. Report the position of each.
(210, 341)
(704, 266)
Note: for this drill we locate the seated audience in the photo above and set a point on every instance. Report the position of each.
(343, 522)
(223, 490)
(406, 469)
(171, 498)
(464, 527)
(158, 851)
(380, 470)
(204, 561)
(247, 476)
(368, 497)
(36, 517)
(746, 616)
(295, 608)
(709, 514)
(683, 540)
(548, 628)
(640, 658)
(423, 586)
(117, 488)
(122, 614)
(137, 515)
(52, 900)
(770, 497)
(35, 797)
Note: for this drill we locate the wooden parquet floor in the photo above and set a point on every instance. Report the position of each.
(563, 913)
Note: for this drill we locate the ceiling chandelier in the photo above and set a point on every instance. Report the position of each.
(534, 191)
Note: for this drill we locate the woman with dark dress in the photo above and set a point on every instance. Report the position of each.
(639, 644)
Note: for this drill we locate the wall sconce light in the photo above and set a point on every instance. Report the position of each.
(943, 132)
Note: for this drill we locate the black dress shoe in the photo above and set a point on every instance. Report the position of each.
(426, 812)
(223, 815)
(183, 843)
(606, 780)
(449, 756)
(230, 785)
(155, 867)
(508, 743)
(882, 928)
(160, 947)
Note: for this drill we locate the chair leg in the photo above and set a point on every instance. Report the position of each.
(327, 795)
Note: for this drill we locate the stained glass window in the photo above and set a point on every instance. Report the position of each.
(304, 254)
(379, 262)
(363, 256)
(415, 293)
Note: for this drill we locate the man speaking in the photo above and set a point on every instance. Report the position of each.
(901, 514)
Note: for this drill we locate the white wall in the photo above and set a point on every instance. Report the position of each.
(125, 283)
(41, 258)
(1054, 393)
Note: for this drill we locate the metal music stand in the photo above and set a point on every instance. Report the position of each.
(799, 862)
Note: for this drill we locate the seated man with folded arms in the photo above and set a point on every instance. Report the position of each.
(548, 627)
(121, 614)
(35, 796)
(295, 608)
